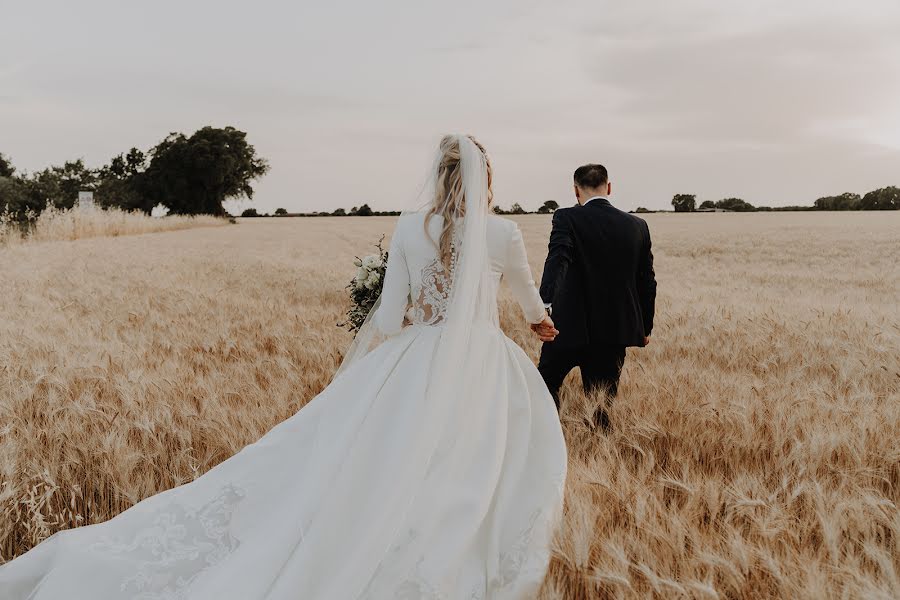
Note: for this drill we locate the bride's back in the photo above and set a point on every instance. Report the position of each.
(423, 256)
(417, 279)
(420, 246)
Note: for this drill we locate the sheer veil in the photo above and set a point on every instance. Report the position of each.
(453, 367)
(471, 295)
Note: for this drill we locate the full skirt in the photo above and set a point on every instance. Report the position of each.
(329, 504)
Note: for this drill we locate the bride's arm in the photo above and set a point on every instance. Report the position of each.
(395, 292)
(518, 274)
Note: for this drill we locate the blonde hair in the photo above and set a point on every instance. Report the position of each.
(449, 197)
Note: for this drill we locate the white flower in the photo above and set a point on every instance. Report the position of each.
(373, 279)
(371, 261)
(362, 274)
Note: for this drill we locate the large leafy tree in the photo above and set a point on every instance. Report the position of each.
(548, 207)
(363, 211)
(883, 199)
(684, 202)
(6, 167)
(735, 204)
(846, 201)
(196, 174)
(12, 194)
(121, 183)
(14, 197)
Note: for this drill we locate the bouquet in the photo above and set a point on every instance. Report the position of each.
(365, 288)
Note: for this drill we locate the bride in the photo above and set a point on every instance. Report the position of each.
(433, 465)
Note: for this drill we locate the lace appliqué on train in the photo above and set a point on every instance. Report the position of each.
(181, 544)
(524, 555)
(431, 296)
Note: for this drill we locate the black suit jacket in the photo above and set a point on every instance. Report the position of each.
(599, 276)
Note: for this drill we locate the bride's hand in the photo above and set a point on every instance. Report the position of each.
(545, 330)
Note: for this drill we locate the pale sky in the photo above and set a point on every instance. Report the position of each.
(774, 101)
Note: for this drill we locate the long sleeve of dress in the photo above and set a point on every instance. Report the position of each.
(517, 272)
(395, 292)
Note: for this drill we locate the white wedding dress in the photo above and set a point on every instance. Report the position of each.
(399, 480)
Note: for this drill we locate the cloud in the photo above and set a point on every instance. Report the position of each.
(758, 88)
(775, 101)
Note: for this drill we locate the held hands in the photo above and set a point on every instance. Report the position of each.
(545, 329)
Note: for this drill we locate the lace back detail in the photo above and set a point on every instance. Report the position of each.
(431, 297)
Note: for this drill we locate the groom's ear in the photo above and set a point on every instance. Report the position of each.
(577, 192)
(609, 188)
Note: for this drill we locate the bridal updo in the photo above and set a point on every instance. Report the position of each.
(449, 198)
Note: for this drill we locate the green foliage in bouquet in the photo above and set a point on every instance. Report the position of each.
(365, 288)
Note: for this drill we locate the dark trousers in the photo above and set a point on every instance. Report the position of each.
(601, 366)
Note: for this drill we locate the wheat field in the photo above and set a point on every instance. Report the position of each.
(54, 224)
(756, 442)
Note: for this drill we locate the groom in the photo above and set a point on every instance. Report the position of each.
(600, 288)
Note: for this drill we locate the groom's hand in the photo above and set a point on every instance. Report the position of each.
(646, 340)
(545, 330)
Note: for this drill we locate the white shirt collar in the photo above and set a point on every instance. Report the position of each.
(596, 197)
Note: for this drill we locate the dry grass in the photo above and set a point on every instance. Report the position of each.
(55, 225)
(756, 451)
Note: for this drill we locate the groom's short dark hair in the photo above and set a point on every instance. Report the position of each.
(590, 177)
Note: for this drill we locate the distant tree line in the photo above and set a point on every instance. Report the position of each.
(887, 198)
(357, 211)
(189, 175)
(366, 211)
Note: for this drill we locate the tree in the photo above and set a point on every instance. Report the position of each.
(56, 186)
(362, 211)
(707, 204)
(882, 199)
(339, 212)
(735, 204)
(846, 201)
(122, 183)
(14, 197)
(548, 207)
(59, 186)
(516, 209)
(196, 174)
(6, 167)
(641, 209)
(280, 212)
(249, 212)
(684, 202)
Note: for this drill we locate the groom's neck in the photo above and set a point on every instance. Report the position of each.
(586, 195)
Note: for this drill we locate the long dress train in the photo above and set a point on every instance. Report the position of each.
(366, 492)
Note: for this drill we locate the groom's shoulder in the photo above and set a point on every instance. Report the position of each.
(625, 215)
(640, 223)
(636, 219)
(565, 213)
